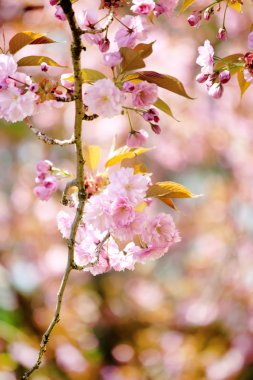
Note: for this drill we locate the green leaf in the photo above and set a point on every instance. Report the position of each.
(186, 4)
(132, 59)
(92, 154)
(164, 107)
(145, 50)
(124, 152)
(91, 76)
(169, 189)
(243, 84)
(36, 60)
(165, 81)
(231, 62)
(27, 38)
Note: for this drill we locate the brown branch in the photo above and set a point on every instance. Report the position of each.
(76, 49)
(90, 117)
(49, 140)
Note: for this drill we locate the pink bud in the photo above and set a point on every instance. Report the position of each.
(194, 18)
(43, 166)
(128, 86)
(34, 87)
(136, 139)
(151, 115)
(224, 76)
(250, 40)
(222, 34)
(208, 13)
(44, 67)
(51, 183)
(53, 2)
(42, 193)
(216, 91)
(104, 45)
(112, 59)
(59, 13)
(156, 129)
(201, 78)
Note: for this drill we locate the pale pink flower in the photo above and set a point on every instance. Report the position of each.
(112, 59)
(250, 40)
(161, 231)
(97, 212)
(87, 20)
(64, 223)
(130, 230)
(129, 185)
(205, 58)
(14, 106)
(144, 94)
(143, 7)
(124, 259)
(165, 6)
(136, 28)
(122, 212)
(44, 166)
(67, 83)
(51, 183)
(151, 115)
(104, 98)
(42, 192)
(153, 252)
(104, 45)
(216, 91)
(137, 138)
(8, 66)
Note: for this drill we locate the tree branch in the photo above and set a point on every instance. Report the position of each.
(76, 48)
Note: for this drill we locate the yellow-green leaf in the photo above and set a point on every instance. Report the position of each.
(132, 59)
(124, 152)
(36, 60)
(243, 84)
(164, 107)
(92, 154)
(165, 81)
(91, 76)
(237, 5)
(27, 38)
(231, 62)
(145, 50)
(186, 4)
(141, 207)
(169, 189)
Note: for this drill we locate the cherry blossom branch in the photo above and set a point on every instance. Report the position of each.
(100, 30)
(49, 140)
(97, 254)
(76, 48)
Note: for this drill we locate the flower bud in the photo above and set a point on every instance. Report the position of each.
(151, 115)
(60, 13)
(156, 129)
(34, 87)
(104, 45)
(112, 59)
(222, 34)
(53, 2)
(224, 76)
(208, 13)
(44, 67)
(51, 183)
(137, 138)
(201, 78)
(44, 166)
(128, 86)
(216, 91)
(194, 18)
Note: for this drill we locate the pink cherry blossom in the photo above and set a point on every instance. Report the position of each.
(64, 223)
(144, 94)
(86, 20)
(151, 115)
(8, 67)
(14, 106)
(250, 40)
(67, 83)
(165, 6)
(131, 229)
(59, 13)
(104, 98)
(129, 185)
(205, 58)
(97, 211)
(42, 192)
(137, 138)
(112, 59)
(194, 19)
(152, 252)
(51, 183)
(143, 7)
(124, 259)
(44, 166)
(216, 91)
(161, 231)
(135, 28)
(122, 212)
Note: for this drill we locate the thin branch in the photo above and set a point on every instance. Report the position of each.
(49, 140)
(76, 49)
(100, 30)
(90, 117)
(97, 253)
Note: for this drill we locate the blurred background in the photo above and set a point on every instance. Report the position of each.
(188, 316)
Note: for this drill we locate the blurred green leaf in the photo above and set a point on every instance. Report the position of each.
(22, 39)
(36, 60)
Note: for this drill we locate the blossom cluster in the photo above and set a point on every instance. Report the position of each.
(116, 231)
(46, 181)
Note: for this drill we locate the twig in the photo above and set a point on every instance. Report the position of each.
(100, 30)
(90, 117)
(49, 140)
(76, 49)
(97, 253)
